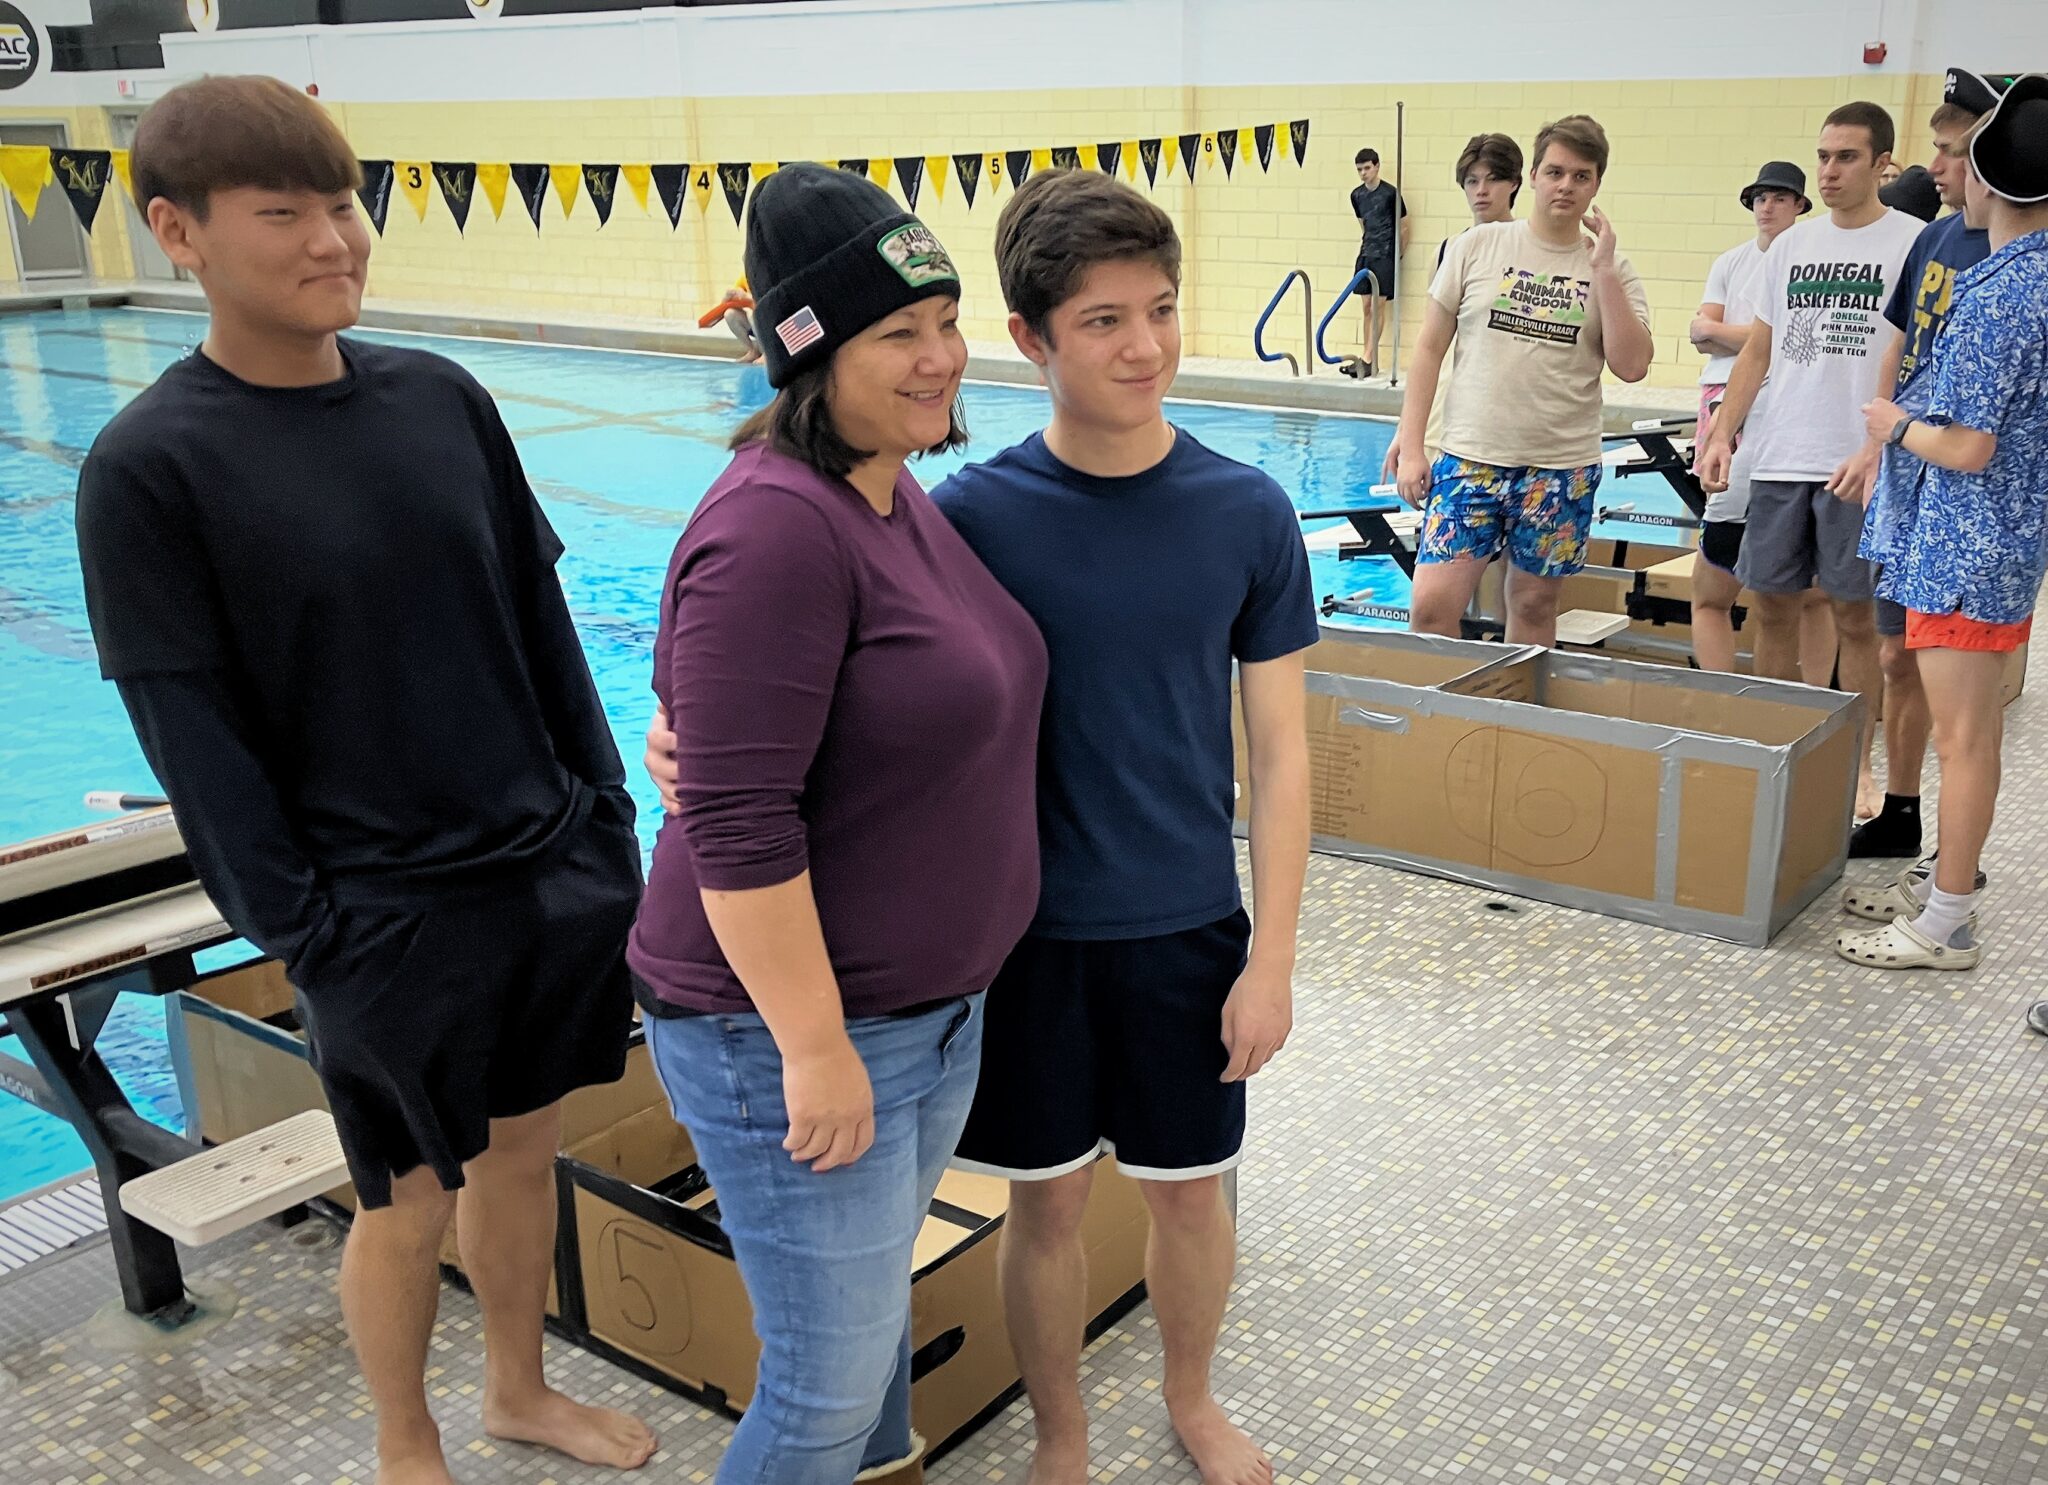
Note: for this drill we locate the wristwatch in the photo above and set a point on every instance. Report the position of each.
(1899, 430)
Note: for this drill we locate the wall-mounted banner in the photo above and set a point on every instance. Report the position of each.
(637, 179)
(968, 169)
(1066, 157)
(737, 178)
(1226, 146)
(375, 192)
(1262, 137)
(121, 174)
(602, 182)
(700, 185)
(531, 181)
(1190, 151)
(1148, 154)
(457, 180)
(1297, 134)
(567, 181)
(83, 174)
(856, 166)
(413, 179)
(1018, 163)
(21, 48)
(1107, 156)
(881, 172)
(910, 171)
(670, 181)
(494, 179)
(935, 172)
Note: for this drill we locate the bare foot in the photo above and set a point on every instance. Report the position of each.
(1219, 1447)
(1060, 1461)
(1869, 798)
(598, 1436)
(420, 1467)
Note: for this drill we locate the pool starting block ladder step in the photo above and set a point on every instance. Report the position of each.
(207, 1196)
(1587, 627)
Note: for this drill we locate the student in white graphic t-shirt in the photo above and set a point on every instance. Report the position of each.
(1819, 336)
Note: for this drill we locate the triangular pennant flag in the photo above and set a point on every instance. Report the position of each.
(532, 183)
(1262, 138)
(762, 169)
(1246, 145)
(1148, 155)
(1041, 159)
(1226, 146)
(1107, 156)
(1190, 151)
(415, 178)
(457, 180)
(1065, 157)
(638, 178)
(736, 177)
(668, 184)
(121, 173)
(882, 171)
(1297, 132)
(968, 169)
(700, 185)
(602, 182)
(83, 174)
(494, 179)
(1208, 152)
(26, 169)
(1090, 156)
(1019, 163)
(910, 173)
(567, 181)
(858, 167)
(935, 172)
(375, 192)
(1129, 150)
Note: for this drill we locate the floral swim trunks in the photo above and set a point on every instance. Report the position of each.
(1541, 517)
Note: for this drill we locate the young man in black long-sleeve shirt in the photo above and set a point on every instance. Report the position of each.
(316, 572)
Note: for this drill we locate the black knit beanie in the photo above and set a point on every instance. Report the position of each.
(828, 254)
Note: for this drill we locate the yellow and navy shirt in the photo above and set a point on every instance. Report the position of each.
(1926, 289)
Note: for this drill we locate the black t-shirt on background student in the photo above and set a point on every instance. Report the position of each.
(1375, 208)
(333, 615)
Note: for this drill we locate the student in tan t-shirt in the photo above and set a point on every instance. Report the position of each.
(1538, 310)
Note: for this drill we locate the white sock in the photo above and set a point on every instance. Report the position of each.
(1944, 917)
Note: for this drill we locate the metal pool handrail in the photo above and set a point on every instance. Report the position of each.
(1308, 312)
(1364, 275)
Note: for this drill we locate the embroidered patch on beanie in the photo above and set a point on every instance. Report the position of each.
(799, 330)
(916, 255)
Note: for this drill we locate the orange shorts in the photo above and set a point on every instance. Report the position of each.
(1956, 632)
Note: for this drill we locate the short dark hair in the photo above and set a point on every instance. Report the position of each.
(1367, 157)
(1062, 223)
(1581, 134)
(1498, 153)
(224, 133)
(1953, 116)
(1869, 116)
(798, 422)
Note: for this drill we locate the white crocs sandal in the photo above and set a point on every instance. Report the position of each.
(1899, 945)
(1888, 900)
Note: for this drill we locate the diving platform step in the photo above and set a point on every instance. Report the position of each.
(207, 1196)
(1587, 627)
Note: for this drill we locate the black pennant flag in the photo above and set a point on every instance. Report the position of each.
(1066, 157)
(531, 182)
(83, 175)
(1298, 132)
(857, 167)
(602, 182)
(669, 181)
(1109, 156)
(968, 168)
(910, 174)
(1190, 150)
(457, 180)
(375, 191)
(1262, 136)
(737, 176)
(1148, 156)
(1226, 146)
(1018, 163)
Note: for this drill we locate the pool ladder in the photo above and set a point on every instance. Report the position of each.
(1313, 347)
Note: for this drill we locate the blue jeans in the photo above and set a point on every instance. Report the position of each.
(826, 1258)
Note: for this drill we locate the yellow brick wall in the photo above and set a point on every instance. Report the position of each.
(1682, 150)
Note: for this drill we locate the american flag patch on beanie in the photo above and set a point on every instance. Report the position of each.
(799, 330)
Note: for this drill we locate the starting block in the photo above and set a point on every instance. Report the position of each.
(204, 1197)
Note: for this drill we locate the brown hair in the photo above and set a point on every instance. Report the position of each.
(1953, 116)
(1498, 153)
(799, 423)
(1062, 223)
(1870, 116)
(1580, 134)
(222, 133)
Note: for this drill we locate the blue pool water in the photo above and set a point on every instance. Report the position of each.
(619, 448)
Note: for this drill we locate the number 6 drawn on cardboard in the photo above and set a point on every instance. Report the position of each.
(646, 1287)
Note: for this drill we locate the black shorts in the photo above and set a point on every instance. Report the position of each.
(1383, 270)
(1891, 617)
(485, 999)
(1721, 543)
(1113, 1045)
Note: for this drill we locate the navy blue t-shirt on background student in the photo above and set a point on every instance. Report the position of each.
(1145, 587)
(1926, 287)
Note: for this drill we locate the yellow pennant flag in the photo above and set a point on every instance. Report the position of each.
(702, 179)
(1283, 140)
(567, 181)
(936, 169)
(1091, 157)
(415, 178)
(1130, 153)
(638, 178)
(494, 179)
(26, 169)
(994, 170)
(121, 173)
(1041, 160)
(1247, 145)
(881, 170)
(1209, 151)
(763, 169)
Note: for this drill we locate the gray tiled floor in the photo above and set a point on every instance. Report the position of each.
(1535, 1196)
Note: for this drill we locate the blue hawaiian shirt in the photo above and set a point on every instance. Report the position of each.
(1978, 543)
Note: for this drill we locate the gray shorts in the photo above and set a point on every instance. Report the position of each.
(1800, 536)
(1891, 618)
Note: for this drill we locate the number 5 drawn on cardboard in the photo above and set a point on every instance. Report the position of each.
(639, 1275)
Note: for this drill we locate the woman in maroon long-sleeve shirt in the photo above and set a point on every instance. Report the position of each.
(856, 704)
